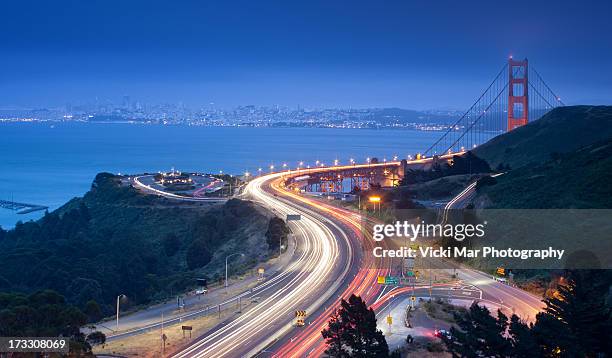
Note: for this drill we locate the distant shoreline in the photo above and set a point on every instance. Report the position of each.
(424, 127)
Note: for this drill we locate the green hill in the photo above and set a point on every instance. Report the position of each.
(579, 179)
(562, 130)
(116, 240)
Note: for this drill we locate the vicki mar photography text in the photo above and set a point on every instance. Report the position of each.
(460, 232)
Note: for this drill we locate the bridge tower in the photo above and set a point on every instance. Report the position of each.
(518, 94)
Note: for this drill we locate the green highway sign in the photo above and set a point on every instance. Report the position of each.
(391, 280)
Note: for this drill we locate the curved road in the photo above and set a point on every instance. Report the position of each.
(330, 265)
(326, 261)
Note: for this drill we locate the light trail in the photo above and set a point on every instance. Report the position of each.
(313, 269)
(331, 237)
(166, 194)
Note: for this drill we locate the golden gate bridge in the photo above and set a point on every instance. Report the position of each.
(516, 96)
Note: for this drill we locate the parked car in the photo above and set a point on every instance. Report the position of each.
(442, 333)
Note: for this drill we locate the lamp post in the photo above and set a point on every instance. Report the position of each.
(118, 299)
(237, 253)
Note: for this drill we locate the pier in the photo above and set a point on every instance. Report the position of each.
(21, 208)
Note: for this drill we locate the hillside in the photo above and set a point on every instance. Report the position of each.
(579, 179)
(115, 241)
(562, 130)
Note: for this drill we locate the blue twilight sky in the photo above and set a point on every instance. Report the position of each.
(407, 53)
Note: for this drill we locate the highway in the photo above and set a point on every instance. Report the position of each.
(330, 266)
(325, 262)
(513, 299)
(138, 182)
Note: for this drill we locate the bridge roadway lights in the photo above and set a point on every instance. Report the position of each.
(360, 176)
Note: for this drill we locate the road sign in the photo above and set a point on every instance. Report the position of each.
(261, 270)
(299, 318)
(291, 217)
(389, 320)
(381, 280)
(409, 263)
(501, 271)
(391, 280)
(187, 328)
(410, 273)
(202, 282)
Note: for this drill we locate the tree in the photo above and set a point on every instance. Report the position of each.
(95, 338)
(42, 314)
(479, 334)
(575, 323)
(553, 336)
(352, 331)
(93, 311)
(576, 320)
(524, 343)
(277, 233)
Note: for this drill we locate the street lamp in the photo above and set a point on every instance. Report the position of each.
(259, 171)
(237, 253)
(118, 299)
